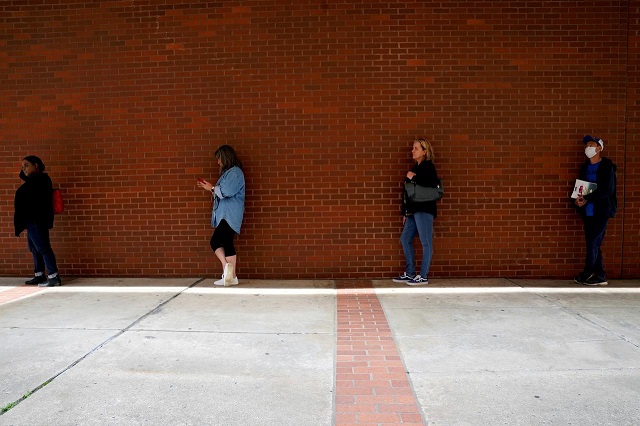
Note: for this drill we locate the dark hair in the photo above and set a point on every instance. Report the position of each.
(227, 157)
(35, 160)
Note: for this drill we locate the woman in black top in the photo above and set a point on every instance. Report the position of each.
(418, 217)
(34, 212)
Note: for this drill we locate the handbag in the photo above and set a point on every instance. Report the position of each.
(58, 203)
(420, 194)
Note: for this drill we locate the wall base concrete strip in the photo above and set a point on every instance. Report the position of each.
(371, 383)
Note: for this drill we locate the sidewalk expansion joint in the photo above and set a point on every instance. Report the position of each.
(12, 405)
(252, 333)
(577, 314)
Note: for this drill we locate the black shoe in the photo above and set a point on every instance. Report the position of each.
(36, 280)
(582, 278)
(52, 282)
(596, 280)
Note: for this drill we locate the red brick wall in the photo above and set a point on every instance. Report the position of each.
(631, 242)
(127, 101)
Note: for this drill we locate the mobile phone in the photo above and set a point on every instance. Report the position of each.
(201, 180)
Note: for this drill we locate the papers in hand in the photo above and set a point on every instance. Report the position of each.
(582, 188)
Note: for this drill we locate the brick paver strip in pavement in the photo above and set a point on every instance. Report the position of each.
(372, 386)
(15, 293)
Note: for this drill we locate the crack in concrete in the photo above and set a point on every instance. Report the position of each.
(28, 394)
(577, 314)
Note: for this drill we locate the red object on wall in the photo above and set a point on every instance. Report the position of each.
(58, 202)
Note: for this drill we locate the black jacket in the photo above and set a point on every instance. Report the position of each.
(604, 197)
(426, 175)
(33, 202)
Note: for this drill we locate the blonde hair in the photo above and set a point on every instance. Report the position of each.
(426, 145)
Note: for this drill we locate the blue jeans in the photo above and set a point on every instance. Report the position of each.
(40, 248)
(594, 230)
(420, 224)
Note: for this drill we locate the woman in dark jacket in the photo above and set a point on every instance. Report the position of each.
(34, 212)
(418, 217)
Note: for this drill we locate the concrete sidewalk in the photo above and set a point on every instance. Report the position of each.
(183, 352)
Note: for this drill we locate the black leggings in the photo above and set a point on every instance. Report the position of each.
(223, 237)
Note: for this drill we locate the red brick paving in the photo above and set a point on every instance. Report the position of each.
(372, 387)
(15, 293)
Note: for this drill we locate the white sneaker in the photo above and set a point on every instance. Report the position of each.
(219, 282)
(418, 280)
(228, 276)
(404, 278)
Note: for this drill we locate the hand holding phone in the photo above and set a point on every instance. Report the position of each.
(204, 184)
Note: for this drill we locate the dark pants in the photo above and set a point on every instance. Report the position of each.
(594, 230)
(40, 248)
(223, 237)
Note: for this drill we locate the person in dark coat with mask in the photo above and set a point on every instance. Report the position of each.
(34, 213)
(596, 208)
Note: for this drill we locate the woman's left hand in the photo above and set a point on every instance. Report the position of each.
(410, 175)
(205, 185)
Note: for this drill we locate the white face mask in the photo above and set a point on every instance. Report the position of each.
(590, 151)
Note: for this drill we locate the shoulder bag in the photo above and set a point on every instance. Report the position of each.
(421, 194)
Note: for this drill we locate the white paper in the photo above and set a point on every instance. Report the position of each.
(582, 188)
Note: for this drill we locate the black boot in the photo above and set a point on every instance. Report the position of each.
(51, 282)
(36, 280)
